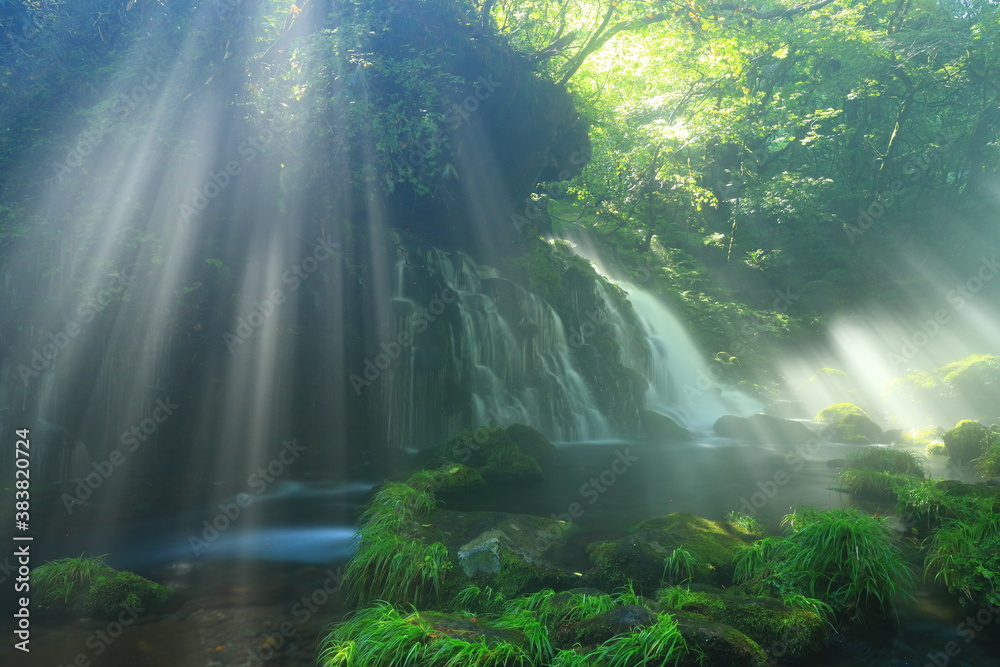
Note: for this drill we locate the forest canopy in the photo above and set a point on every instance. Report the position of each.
(768, 143)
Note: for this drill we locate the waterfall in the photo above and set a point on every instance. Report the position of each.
(497, 347)
(682, 385)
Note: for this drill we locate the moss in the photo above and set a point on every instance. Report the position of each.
(87, 585)
(968, 440)
(531, 442)
(449, 478)
(114, 591)
(784, 632)
(936, 448)
(489, 451)
(642, 557)
(718, 643)
(849, 423)
(509, 465)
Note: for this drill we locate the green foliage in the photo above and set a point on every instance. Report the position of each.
(844, 558)
(680, 566)
(56, 580)
(658, 644)
(113, 591)
(393, 562)
(397, 505)
(85, 584)
(745, 522)
(965, 555)
(876, 471)
(928, 504)
(988, 465)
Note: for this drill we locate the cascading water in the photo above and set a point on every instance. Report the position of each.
(503, 348)
(681, 384)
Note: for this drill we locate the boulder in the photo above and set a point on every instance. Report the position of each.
(718, 644)
(531, 442)
(620, 620)
(785, 633)
(511, 553)
(849, 423)
(763, 429)
(654, 426)
(640, 557)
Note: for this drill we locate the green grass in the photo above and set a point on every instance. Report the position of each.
(658, 644)
(56, 580)
(877, 471)
(392, 562)
(745, 522)
(988, 465)
(843, 558)
(965, 555)
(396, 570)
(680, 566)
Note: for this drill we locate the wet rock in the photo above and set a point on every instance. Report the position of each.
(512, 553)
(639, 557)
(719, 644)
(848, 423)
(602, 627)
(785, 633)
(655, 426)
(763, 429)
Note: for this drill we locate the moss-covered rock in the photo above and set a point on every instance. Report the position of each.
(510, 553)
(499, 455)
(642, 557)
(86, 585)
(720, 645)
(936, 448)
(620, 620)
(849, 423)
(448, 479)
(113, 591)
(508, 465)
(968, 440)
(785, 633)
(531, 442)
